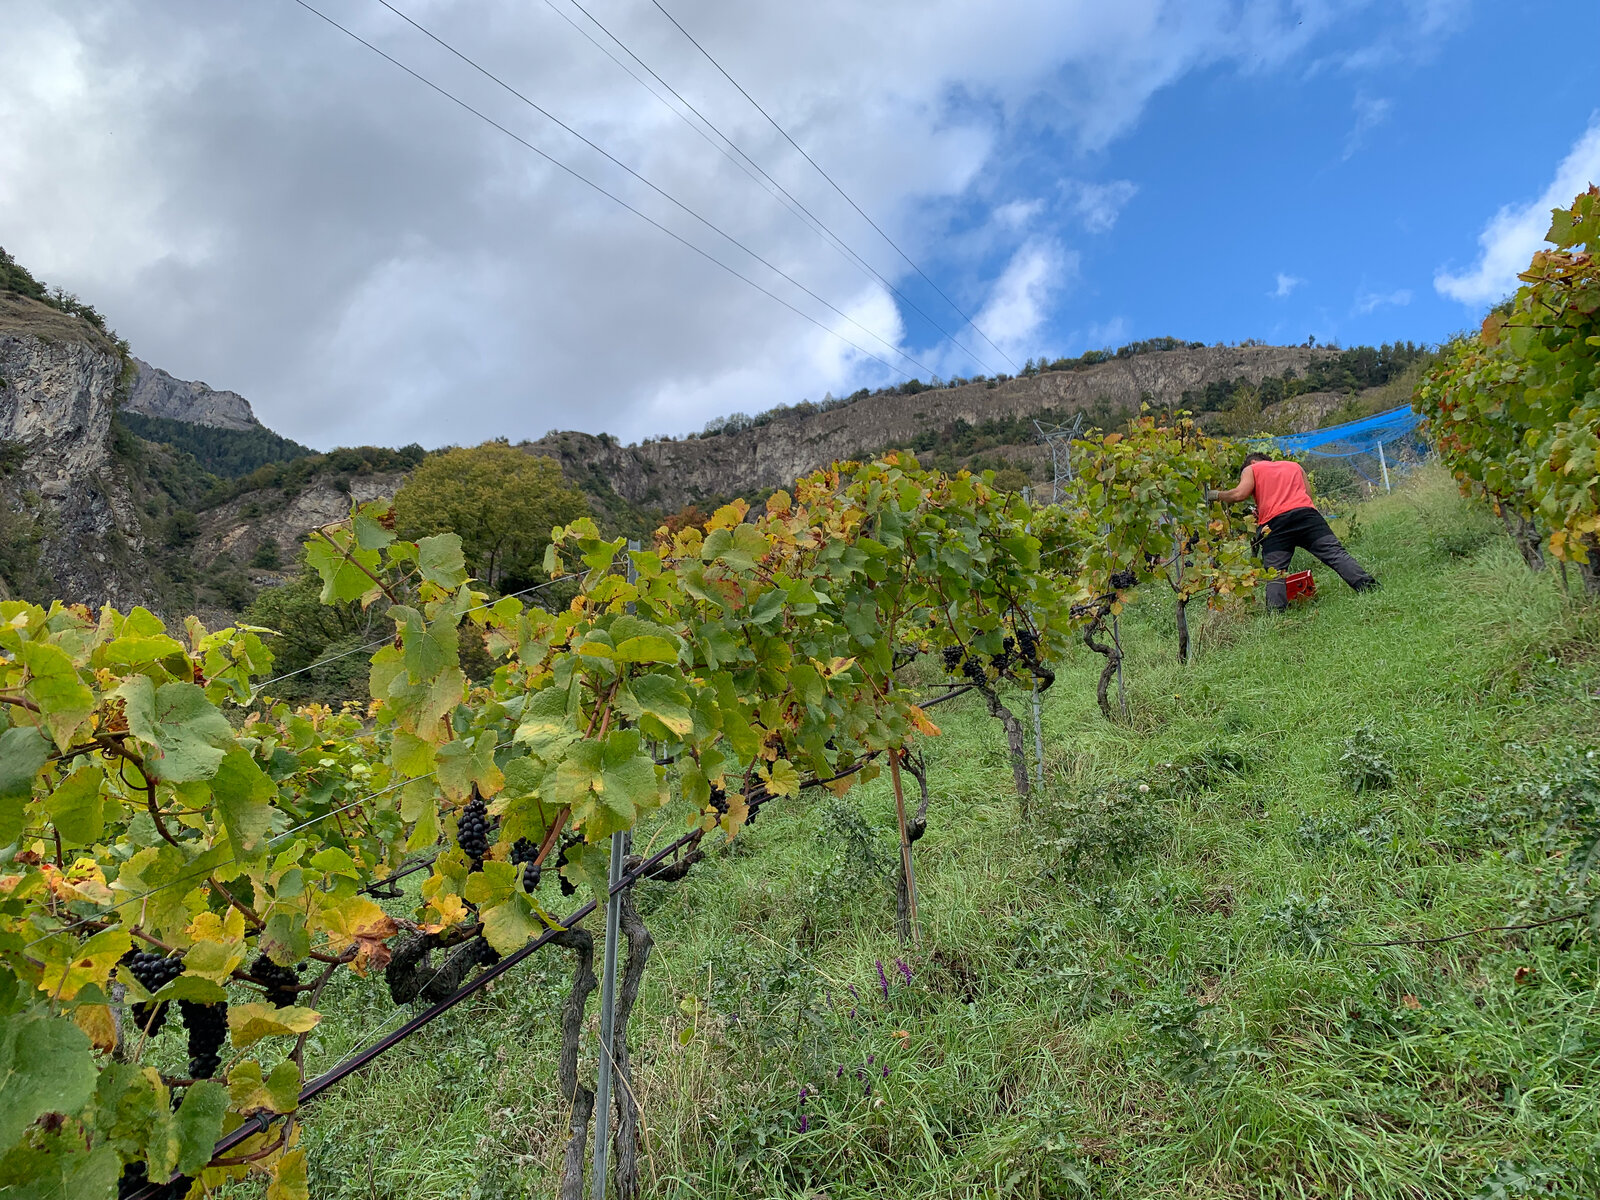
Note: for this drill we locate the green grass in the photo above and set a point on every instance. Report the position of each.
(1147, 989)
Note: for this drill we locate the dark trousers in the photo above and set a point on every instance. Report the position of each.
(1304, 528)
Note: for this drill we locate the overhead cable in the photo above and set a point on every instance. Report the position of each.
(487, 74)
(755, 171)
(586, 181)
(832, 183)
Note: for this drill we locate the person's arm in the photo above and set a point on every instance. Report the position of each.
(1246, 489)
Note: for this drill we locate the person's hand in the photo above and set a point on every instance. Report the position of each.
(1212, 495)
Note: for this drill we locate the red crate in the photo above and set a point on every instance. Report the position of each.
(1300, 585)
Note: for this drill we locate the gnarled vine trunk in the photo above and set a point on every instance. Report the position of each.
(1525, 534)
(1015, 741)
(1113, 655)
(581, 943)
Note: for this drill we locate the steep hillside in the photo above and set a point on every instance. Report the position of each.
(670, 473)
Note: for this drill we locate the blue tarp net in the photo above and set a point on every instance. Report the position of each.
(1357, 437)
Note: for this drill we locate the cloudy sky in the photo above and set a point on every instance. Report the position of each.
(257, 199)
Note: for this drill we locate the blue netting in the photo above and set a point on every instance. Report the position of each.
(1358, 437)
(1358, 457)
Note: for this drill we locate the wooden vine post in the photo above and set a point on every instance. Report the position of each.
(905, 847)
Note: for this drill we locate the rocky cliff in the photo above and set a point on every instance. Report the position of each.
(68, 512)
(154, 393)
(670, 474)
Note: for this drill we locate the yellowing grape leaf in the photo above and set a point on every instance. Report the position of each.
(249, 1092)
(70, 966)
(249, 1023)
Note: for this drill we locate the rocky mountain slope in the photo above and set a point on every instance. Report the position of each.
(154, 393)
(671, 473)
(68, 516)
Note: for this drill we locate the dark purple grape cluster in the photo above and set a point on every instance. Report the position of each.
(208, 1030)
(154, 972)
(472, 830)
(523, 852)
(282, 983)
(973, 670)
(568, 888)
(719, 800)
(1028, 646)
(952, 658)
(481, 953)
(136, 1177)
(1002, 662)
(1123, 580)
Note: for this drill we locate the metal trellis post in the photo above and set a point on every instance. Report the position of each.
(1038, 734)
(620, 844)
(1384, 463)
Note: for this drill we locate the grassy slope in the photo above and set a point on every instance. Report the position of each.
(1177, 1012)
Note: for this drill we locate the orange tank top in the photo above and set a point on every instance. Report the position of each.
(1280, 488)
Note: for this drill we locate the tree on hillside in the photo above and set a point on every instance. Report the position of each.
(501, 501)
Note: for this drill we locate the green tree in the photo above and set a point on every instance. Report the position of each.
(503, 504)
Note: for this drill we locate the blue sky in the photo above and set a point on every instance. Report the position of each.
(256, 199)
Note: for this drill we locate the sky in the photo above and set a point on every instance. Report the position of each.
(377, 251)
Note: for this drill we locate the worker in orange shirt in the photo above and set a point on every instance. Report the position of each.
(1286, 519)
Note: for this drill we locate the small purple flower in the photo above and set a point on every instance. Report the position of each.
(804, 1092)
(904, 969)
(886, 1070)
(839, 1074)
(870, 1057)
(883, 980)
(854, 993)
(804, 1124)
(868, 1090)
(852, 1012)
(860, 1074)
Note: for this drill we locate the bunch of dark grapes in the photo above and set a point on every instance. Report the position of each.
(523, 852)
(154, 972)
(480, 952)
(973, 670)
(1028, 646)
(282, 983)
(1122, 580)
(472, 830)
(568, 888)
(719, 801)
(1002, 661)
(952, 658)
(208, 1030)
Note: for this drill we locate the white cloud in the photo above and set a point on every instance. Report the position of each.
(1098, 205)
(1018, 214)
(255, 200)
(1371, 111)
(1020, 301)
(1367, 302)
(1286, 285)
(1516, 231)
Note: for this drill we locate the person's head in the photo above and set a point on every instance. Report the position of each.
(1256, 456)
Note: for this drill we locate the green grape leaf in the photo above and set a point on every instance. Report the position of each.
(441, 561)
(53, 683)
(647, 649)
(244, 795)
(607, 783)
(77, 807)
(343, 579)
(45, 1066)
(187, 732)
(659, 705)
(23, 751)
(199, 1124)
(510, 925)
(57, 1166)
(590, 865)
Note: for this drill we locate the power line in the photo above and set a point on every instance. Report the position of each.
(831, 182)
(487, 74)
(806, 217)
(585, 180)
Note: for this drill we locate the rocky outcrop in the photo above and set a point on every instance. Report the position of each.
(154, 393)
(242, 525)
(670, 474)
(58, 387)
